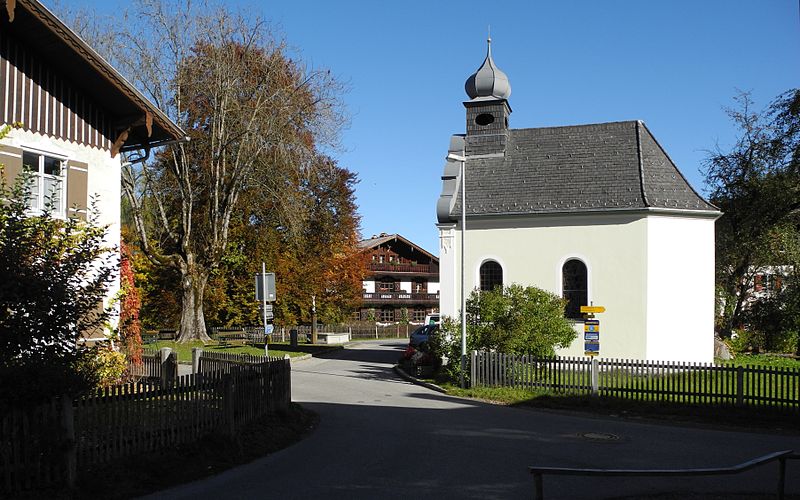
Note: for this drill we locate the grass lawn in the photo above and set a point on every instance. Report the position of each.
(763, 360)
(276, 349)
(757, 418)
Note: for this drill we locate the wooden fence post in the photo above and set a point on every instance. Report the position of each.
(68, 427)
(473, 368)
(595, 377)
(166, 368)
(196, 354)
(739, 385)
(228, 404)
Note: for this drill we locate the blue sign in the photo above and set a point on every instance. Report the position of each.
(592, 347)
(270, 329)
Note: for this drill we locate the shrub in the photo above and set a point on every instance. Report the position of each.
(512, 319)
(54, 275)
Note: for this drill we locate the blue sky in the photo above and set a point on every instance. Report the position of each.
(673, 64)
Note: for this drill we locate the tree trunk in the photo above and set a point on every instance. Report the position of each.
(193, 324)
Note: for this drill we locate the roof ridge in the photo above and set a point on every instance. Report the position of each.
(641, 162)
(677, 169)
(584, 125)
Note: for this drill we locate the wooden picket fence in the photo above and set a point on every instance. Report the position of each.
(688, 383)
(45, 445)
(153, 368)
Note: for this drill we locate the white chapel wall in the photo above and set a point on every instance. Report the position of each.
(680, 319)
(532, 251)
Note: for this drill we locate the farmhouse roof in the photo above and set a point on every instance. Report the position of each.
(39, 29)
(378, 240)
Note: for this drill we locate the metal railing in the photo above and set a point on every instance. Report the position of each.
(780, 456)
(400, 268)
(400, 297)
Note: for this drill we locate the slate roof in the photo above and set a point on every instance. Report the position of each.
(598, 167)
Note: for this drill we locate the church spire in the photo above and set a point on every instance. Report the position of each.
(488, 81)
(487, 109)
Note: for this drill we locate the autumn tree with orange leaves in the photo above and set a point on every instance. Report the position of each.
(255, 118)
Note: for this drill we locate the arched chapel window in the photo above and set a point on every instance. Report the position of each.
(491, 275)
(575, 286)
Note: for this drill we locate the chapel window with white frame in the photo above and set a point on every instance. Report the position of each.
(46, 182)
(575, 287)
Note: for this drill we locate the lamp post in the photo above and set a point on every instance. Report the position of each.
(463, 272)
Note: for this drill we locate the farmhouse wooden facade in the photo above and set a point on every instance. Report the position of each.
(402, 281)
(72, 114)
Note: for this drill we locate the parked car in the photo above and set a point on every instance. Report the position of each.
(432, 319)
(421, 335)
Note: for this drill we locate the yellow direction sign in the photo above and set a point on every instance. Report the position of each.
(593, 309)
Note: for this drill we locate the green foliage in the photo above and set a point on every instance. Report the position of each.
(110, 366)
(764, 360)
(756, 184)
(512, 320)
(54, 275)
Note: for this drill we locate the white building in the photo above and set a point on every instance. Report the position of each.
(77, 116)
(598, 214)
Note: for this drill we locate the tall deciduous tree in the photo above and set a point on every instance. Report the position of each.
(756, 184)
(328, 262)
(254, 117)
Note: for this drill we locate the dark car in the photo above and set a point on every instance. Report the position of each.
(420, 336)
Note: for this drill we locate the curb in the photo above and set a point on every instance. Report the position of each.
(417, 381)
(299, 358)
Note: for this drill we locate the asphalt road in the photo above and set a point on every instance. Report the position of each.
(381, 437)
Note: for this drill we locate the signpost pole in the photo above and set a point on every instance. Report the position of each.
(264, 304)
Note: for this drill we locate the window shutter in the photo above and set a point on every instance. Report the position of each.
(77, 189)
(11, 157)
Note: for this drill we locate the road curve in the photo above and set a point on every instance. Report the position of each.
(383, 438)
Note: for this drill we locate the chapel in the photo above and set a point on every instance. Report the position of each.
(597, 213)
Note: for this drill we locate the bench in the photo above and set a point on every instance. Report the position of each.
(149, 337)
(167, 334)
(233, 337)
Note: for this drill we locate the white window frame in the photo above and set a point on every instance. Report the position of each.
(560, 278)
(483, 260)
(39, 174)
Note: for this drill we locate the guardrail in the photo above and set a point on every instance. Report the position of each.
(780, 456)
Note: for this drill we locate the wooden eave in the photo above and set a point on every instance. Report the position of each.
(138, 123)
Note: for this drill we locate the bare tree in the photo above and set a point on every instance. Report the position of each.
(254, 116)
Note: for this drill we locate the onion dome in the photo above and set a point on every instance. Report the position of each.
(488, 81)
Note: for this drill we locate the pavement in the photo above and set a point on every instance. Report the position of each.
(383, 437)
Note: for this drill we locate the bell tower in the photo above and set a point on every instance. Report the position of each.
(487, 110)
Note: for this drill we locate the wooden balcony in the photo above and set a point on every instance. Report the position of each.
(401, 298)
(400, 268)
